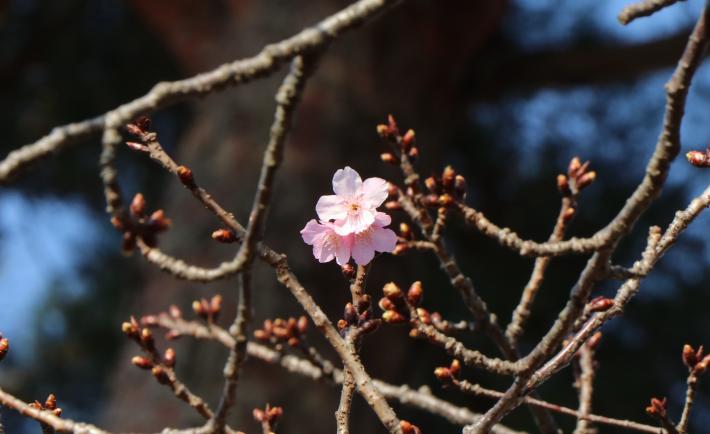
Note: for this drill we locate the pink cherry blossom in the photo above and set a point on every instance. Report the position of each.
(326, 243)
(354, 204)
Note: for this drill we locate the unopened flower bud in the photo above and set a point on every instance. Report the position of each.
(386, 304)
(302, 324)
(169, 357)
(129, 329)
(224, 236)
(349, 271)
(142, 362)
(424, 316)
(147, 338)
(586, 179)
(175, 311)
(138, 205)
(261, 335)
(431, 185)
(215, 305)
(455, 367)
(689, 356)
(448, 178)
(389, 158)
(293, 342)
(393, 205)
(442, 373)
(160, 374)
(413, 153)
(392, 291)
(159, 222)
(563, 185)
(574, 166)
(446, 200)
(4, 347)
(568, 214)
(408, 428)
(200, 308)
(408, 139)
(186, 176)
(400, 249)
(415, 293)
(460, 186)
(342, 324)
(600, 304)
(698, 159)
(393, 317)
(594, 341)
(51, 402)
(350, 314)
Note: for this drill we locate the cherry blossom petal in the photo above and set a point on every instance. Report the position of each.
(382, 220)
(383, 240)
(346, 182)
(374, 192)
(343, 248)
(312, 231)
(362, 251)
(331, 207)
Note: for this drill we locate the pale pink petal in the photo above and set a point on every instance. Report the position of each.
(325, 253)
(362, 250)
(312, 231)
(382, 220)
(374, 192)
(354, 223)
(331, 207)
(342, 250)
(346, 182)
(383, 240)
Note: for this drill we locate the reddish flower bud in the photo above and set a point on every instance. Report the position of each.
(200, 309)
(159, 222)
(698, 159)
(586, 179)
(568, 214)
(350, 314)
(186, 176)
(446, 200)
(169, 357)
(689, 356)
(415, 293)
(160, 374)
(51, 402)
(431, 185)
(424, 316)
(448, 178)
(413, 154)
(4, 347)
(392, 291)
(386, 304)
(393, 317)
(142, 362)
(293, 342)
(563, 185)
(455, 367)
(129, 329)
(408, 139)
(224, 236)
(175, 311)
(408, 428)
(216, 305)
(600, 304)
(393, 205)
(302, 324)
(348, 271)
(405, 231)
(342, 324)
(138, 205)
(460, 186)
(594, 341)
(573, 168)
(389, 158)
(147, 338)
(443, 373)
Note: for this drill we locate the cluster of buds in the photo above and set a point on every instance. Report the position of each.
(404, 143)
(156, 363)
(578, 177)
(445, 190)
(658, 408)
(696, 361)
(141, 225)
(4, 347)
(358, 317)
(208, 310)
(698, 158)
(153, 321)
(396, 304)
(268, 416)
(409, 428)
(447, 374)
(50, 404)
(292, 331)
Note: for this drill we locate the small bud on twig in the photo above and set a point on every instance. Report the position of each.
(142, 362)
(224, 236)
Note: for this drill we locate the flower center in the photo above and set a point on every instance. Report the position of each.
(354, 207)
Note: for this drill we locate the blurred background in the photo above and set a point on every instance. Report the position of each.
(505, 91)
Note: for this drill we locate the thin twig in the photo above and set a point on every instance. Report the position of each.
(585, 386)
(643, 8)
